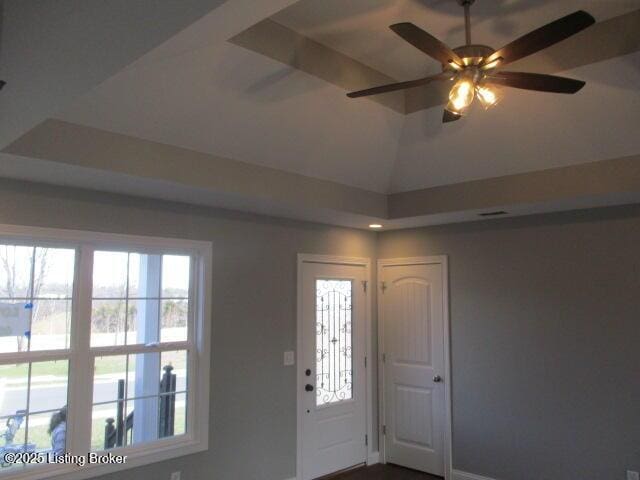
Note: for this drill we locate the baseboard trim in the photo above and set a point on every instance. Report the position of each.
(460, 475)
(374, 457)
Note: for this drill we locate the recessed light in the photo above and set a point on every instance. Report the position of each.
(375, 225)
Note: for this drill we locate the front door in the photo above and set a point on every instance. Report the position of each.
(332, 371)
(414, 364)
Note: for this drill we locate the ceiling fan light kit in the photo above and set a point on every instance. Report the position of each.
(474, 68)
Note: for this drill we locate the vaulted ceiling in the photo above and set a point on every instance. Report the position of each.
(217, 93)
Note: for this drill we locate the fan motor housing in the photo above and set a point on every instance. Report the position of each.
(470, 55)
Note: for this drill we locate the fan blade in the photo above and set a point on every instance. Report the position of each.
(398, 86)
(426, 42)
(536, 81)
(448, 116)
(543, 37)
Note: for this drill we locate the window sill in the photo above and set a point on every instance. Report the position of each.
(135, 457)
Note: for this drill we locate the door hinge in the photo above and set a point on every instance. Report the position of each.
(366, 440)
(365, 362)
(384, 429)
(384, 358)
(364, 285)
(383, 286)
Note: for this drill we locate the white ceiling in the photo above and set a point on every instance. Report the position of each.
(527, 131)
(235, 103)
(224, 100)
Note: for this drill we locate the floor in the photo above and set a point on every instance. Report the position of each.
(383, 472)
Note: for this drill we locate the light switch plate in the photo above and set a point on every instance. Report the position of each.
(289, 358)
(175, 476)
(633, 475)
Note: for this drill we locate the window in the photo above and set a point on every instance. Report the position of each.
(103, 348)
(334, 364)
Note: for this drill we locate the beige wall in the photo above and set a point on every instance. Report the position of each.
(253, 396)
(545, 318)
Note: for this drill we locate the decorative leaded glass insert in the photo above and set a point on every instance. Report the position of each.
(334, 364)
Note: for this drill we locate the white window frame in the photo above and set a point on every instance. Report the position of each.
(80, 393)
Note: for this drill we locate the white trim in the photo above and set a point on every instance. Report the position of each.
(337, 260)
(197, 437)
(460, 475)
(427, 260)
(374, 457)
(99, 240)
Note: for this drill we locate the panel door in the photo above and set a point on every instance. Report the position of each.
(414, 364)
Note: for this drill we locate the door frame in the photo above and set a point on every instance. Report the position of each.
(300, 380)
(441, 260)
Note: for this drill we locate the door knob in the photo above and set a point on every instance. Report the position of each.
(437, 379)
(308, 387)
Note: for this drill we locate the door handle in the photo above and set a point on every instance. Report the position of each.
(437, 379)
(308, 387)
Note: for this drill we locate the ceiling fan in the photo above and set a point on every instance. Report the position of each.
(475, 67)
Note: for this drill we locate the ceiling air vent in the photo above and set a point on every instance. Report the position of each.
(493, 214)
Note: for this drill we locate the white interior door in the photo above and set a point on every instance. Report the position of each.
(331, 376)
(414, 366)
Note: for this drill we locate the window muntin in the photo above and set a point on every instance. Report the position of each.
(147, 392)
(334, 364)
(36, 294)
(36, 304)
(140, 303)
(34, 394)
(180, 341)
(139, 298)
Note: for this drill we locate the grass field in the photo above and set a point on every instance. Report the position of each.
(103, 366)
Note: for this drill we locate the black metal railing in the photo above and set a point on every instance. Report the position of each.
(117, 429)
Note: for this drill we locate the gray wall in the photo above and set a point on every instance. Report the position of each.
(545, 331)
(545, 315)
(253, 397)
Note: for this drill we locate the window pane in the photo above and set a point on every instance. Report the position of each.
(151, 399)
(53, 273)
(175, 363)
(14, 442)
(144, 275)
(104, 434)
(107, 322)
(13, 388)
(180, 415)
(175, 276)
(173, 326)
(109, 274)
(48, 386)
(144, 420)
(108, 373)
(48, 432)
(333, 341)
(51, 324)
(144, 375)
(142, 322)
(15, 271)
(15, 319)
